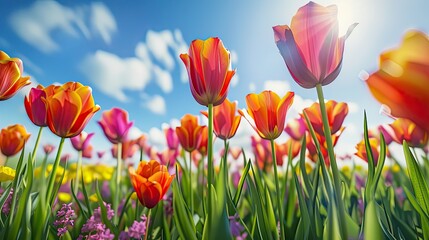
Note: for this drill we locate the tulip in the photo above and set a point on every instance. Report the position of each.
(336, 114)
(100, 154)
(128, 150)
(406, 130)
(69, 108)
(81, 141)
(87, 152)
(168, 157)
(115, 125)
(171, 138)
(35, 107)
(208, 65)
(224, 119)
(11, 79)
(189, 133)
(310, 47)
(269, 112)
(296, 128)
(13, 139)
(361, 149)
(150, 181)
(203, 142)
(48, 148)
(387, 132)
(402, 80)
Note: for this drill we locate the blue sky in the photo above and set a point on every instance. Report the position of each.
(128, 53)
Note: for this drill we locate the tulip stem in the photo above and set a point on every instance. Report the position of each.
(118, 181)
(141, 154)
(334, 167)
(210, 165)
(36, 145)
(78, 171)
(54, 173)
(190, 184)
(147, 224)
(279, 199)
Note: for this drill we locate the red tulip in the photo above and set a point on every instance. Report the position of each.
(13, 139)
(151, 181)
(11, 79)
(115, 125)
(224, 119)
(35, 107)
(269, 112)
(402, 81)
(310, 47)
(208, 65)
(69, 108)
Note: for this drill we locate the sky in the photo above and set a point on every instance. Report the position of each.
(129, 54)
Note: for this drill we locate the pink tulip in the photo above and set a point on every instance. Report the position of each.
(48, 148)
(115, 125)
(310, 47)
(172, 139)
(35, 107)
(81, 141)
(296, 128)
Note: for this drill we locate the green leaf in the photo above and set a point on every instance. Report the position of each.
(305, 216)
(241, 182)
(182, 218)
(372, 228)
(104, 210)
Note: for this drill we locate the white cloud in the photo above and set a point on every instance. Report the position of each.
(234, 80)
(158, 44)
(157, 137)
(278, 86)
(234, 58)
(134, 132)
(112, 74)
(353, 107)
(252, 87)
(26, 90)
(179, 47)
(155, 104)
(163, 79)
(298, 105)
(35, 26)
(102, 21)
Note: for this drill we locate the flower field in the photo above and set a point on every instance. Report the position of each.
(293, 189)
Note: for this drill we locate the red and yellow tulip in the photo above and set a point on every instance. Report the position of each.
(208, 65)
(406, 130)
(69, 108)
(11, 79)
(189, 132)
(269, 112)
(336, 112)
(224, 119)
(402, 80)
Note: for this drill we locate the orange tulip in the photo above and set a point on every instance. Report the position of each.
(336, 114)
(13, 139)
(11, 80)
(208, 65)
(204, 139)
(402, 81)
(151, 181)
(361, 149)
(224, 119)
(312, 151)
(69, 108)
(406, 130)
(310, 47)
(189, 133)
(269, 112)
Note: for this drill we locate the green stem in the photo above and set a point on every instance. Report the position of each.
(279, 199)
(210, 165)
(225, 162)
(33, 155)
(78, 171)
(6, 160)
(141, 154)
(118, 181)
(15, 190)
(334, 167)
(190, 184)
(147, 223)
(53, 174)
